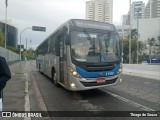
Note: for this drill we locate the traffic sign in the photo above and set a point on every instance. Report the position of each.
(38, 28)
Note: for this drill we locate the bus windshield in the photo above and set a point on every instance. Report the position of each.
(95, 47)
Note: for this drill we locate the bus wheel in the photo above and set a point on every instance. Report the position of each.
(54, 77)
(39, 68)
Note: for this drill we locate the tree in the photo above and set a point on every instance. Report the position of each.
(30, 54)
(13, 49)
(158, 45)
(134, 34)
(1, 38)
(151, 42)
(133, 47)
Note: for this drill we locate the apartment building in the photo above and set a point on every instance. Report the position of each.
(152, 9)
(100, 10)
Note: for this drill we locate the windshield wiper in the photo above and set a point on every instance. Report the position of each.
(92, 43)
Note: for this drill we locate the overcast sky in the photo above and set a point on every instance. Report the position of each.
(51, 14)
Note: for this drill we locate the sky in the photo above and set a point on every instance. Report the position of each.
(50, 14)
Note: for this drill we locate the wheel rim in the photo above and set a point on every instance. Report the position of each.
(55, 78)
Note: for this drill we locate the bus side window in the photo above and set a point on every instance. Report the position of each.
(52, 45)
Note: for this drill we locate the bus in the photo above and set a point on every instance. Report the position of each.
(81, 55)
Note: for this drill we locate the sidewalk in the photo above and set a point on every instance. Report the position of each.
(22, 93)
(142, 70)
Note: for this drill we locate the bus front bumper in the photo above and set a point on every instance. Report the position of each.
(78, 84)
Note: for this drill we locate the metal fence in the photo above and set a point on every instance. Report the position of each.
(9, 55)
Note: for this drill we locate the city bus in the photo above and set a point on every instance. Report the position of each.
(81, 55)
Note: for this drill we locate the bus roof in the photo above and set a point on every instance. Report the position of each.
(93, 24)
(82, 23)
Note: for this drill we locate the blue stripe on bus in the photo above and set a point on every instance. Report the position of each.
(86, 74)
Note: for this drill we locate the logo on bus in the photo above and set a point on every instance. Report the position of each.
(109, 73)
(101, 74)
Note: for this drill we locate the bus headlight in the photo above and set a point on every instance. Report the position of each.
(74, 73)
(119, 71)
(73, 85)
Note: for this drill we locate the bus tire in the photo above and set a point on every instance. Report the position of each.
(54, 78)
(39, 68)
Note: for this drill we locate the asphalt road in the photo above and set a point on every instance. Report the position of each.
(133, 94)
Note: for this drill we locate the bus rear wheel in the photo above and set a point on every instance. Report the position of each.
(54, 78)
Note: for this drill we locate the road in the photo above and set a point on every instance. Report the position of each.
(133, 94)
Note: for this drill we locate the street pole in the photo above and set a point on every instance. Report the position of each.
(122, 38)
(20, 58)
(6, 24)
(34, 28)
(26, 44)
(137, 34)
(130, 35)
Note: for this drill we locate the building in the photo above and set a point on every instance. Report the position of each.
(125, 20)
(90, 10)
(148, 28)
(100, 10)
(12, 34)
(123, 31)
(152, 9)
(137, 10)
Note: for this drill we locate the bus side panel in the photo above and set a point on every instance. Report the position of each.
(52, 64)
(57, 68)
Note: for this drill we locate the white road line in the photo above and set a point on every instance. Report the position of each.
(130, 101)
(27, 102)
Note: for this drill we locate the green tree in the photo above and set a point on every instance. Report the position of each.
(30, 54)
(13, 49)
(151, 42)
(1, 38)
(158, 38)
(134, 34)
(133, 47)
(158, 45)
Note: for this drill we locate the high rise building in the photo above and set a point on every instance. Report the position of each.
(12, 34)
(137, 10)
(125, 20)
(90, 10)
(152, 9)
(100, 10)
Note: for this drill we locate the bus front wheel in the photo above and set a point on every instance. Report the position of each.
(54, 77)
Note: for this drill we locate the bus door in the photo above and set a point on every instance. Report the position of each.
(62, 58)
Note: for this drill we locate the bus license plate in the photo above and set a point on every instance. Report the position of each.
(100, 80)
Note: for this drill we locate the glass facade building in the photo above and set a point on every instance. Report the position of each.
(12, 34)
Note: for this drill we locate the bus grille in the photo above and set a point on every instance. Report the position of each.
(98, 68)
(90, 84)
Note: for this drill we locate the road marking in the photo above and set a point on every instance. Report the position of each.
(27, 102)
(38, 94)
(148, 83)
(129, 101)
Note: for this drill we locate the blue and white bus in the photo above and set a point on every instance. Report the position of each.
(81, 55)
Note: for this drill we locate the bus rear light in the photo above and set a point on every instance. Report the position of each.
(74, 73)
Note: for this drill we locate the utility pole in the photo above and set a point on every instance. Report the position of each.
(137, 33)
(26, 44)
(122, 38)
(6, 1)
(130, 35)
